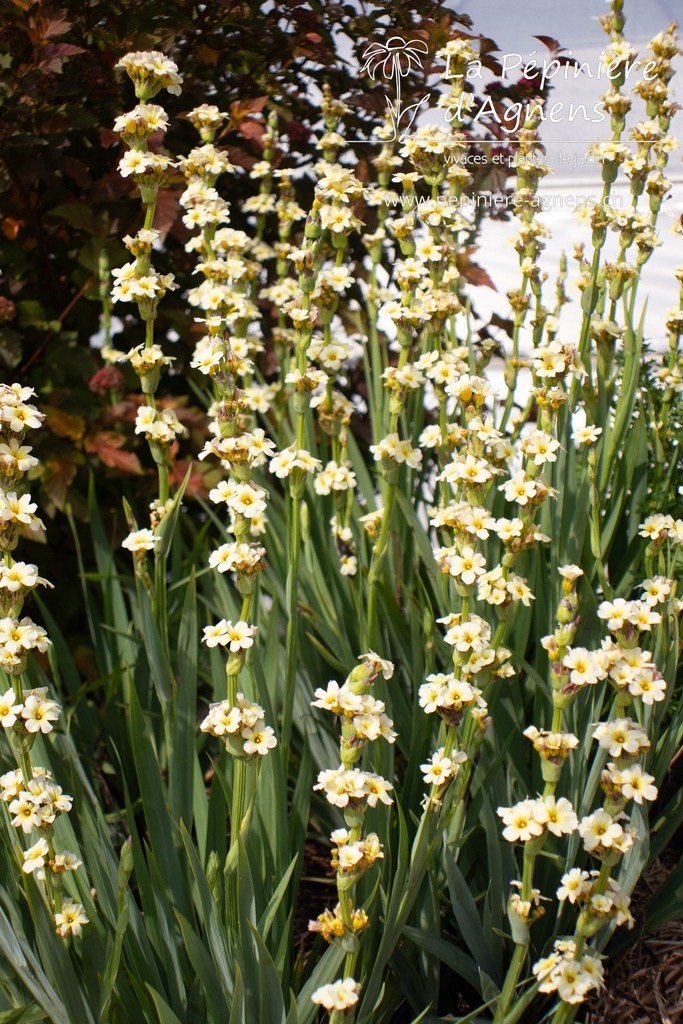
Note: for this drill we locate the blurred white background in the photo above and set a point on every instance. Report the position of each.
(513, 24)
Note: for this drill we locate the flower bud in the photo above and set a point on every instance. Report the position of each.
(354, 817)
(550, 772)
(148, 193)
(518, 925)
(149, 382)
(213, 873)
(126, 863)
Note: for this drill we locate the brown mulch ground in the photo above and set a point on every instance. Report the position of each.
(642, 986)
(317, 892)
(645, 984)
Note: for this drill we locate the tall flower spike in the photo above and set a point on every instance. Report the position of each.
(34, 801)
(363, 719)
(139, 282)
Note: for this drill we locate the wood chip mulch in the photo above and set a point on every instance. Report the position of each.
(642, 986)
(645, 984)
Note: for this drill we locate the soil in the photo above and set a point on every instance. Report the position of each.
(642, 986)
(645, 984)
(316, 892)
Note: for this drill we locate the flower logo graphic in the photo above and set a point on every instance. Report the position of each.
(395, 59)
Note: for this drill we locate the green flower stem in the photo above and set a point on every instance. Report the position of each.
(510, 985)
(346, 908)
(350, 965)
(149, 215)
(23, 756)
(240, 808)
(159, 598)
(632, 287)
(565, 1013)
(380, 549)
(378, 556)
(499, 634)
(25, 764)
(237, 823)
(236, 663)
(585, 334)
(294, 539)
(18, 689)
(246, 607)
(528, 875)
(524, 418)
(425, 844)
(531, 851)
(208, 237)
(240, 814)
(511, 367)
(558, 715)
(630, 293)
(374, 365)
(105, 297)
(232, 685)
(54, 889)
(159, 602)
(603, 878)
(163, 484)
(674, 339)
(465, 609)
(291, 639)
(596, 546)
